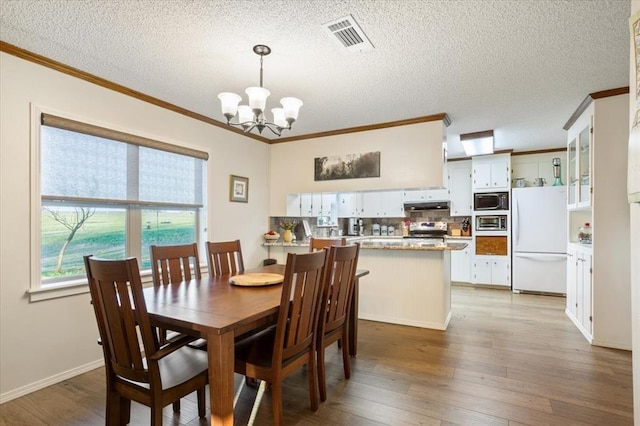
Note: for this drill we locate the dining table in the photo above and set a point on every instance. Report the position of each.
(218, 311)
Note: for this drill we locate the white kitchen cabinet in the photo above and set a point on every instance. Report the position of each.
(316, 204)
(306, 205)
(493, 270)
(597, 140)
(350, 204)
(293, 205)
(323, 204)
(460, 188)
(425, 195)
(491, 172)
(579, 289)
(579, 170)
(378, 204)
(461, 263)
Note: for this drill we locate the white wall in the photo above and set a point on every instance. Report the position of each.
(410, 157)
(44, 342)
(531, 166)
(635, 245)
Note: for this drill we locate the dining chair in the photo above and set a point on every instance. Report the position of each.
(170, 264)
(137, 367)
(224, 258)
(277, 352)
(320, 243)
(339, 276)
(174, 263)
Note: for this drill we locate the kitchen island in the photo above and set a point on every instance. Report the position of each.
(409, 281)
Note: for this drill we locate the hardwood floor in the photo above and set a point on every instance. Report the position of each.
(506, 359)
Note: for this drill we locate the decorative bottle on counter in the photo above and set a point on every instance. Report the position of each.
(584, 234)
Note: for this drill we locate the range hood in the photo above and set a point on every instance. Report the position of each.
(427, 205)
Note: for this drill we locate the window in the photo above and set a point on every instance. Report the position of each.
(109, 194)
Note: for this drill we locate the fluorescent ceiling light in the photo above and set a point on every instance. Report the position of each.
(479, 143)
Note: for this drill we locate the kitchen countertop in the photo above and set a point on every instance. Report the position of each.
(391, 243)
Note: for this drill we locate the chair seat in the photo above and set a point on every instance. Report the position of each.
(178, 367)
(258, 349)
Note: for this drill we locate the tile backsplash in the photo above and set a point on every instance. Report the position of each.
(397, 223)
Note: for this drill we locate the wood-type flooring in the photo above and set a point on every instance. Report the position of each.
(506, 359)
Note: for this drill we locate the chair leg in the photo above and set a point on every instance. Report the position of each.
(202, 406)
(125, 411)
(156, 414)
(322, 379)
(313, 382)
(117, 410)
(176, 406)
(346, 360)
(276, 398)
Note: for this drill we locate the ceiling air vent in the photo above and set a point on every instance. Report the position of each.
(348, 34)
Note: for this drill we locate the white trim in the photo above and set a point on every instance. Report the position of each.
(35, 207)
(71, 288)
(56, 378)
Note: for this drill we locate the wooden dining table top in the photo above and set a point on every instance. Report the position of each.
(212, 303)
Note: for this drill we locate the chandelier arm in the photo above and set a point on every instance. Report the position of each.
(270, 127)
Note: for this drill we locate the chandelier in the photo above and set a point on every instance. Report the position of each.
(252, 116)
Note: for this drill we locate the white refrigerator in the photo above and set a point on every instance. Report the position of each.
(539, 238)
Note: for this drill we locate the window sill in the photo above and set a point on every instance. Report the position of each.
(70, 288)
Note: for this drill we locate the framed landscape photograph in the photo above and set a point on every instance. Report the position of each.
(239, 189)
(350, 166)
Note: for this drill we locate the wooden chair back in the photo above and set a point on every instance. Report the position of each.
(298, 315)
(174, 263)
(320, 243)
(121, 313)
(224, 258)
(339, 277)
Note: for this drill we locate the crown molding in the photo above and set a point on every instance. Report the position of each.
(590, 98)
(99, 81)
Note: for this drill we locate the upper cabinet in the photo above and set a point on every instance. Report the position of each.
(460, 188)
(424, 195)
(321, 205)
(491, 172)
(579, 170)
(350, 204)
(377, 204)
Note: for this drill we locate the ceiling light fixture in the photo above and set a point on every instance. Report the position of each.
(478, 143)
(252, 116)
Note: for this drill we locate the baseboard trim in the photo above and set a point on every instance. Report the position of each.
(57, 378)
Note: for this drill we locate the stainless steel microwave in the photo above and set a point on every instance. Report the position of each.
(491, 223)
(491, 201)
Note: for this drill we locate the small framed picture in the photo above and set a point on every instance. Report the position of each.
(239, 189)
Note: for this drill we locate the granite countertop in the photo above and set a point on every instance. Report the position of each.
(390, 243)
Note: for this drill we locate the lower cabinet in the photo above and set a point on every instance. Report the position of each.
(579, 289)
(493, 270)
(461, 264)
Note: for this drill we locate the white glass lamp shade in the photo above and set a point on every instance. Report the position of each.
(278, 118)
(291, 108)
(245, 114)
(257, 97)
(230, 103)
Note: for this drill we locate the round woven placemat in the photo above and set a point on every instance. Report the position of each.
(256, 279)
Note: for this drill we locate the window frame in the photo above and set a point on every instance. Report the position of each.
(38, 291)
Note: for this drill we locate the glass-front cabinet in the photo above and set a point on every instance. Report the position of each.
(579, 169)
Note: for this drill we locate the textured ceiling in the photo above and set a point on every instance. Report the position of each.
(518, 67)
